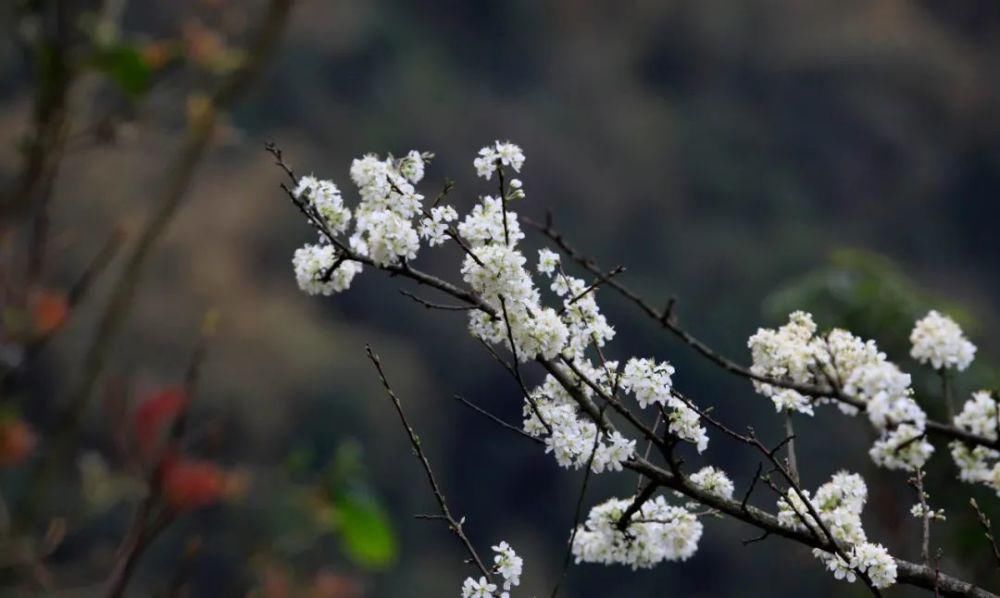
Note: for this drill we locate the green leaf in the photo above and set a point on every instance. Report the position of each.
(124, 65)
(364, 532)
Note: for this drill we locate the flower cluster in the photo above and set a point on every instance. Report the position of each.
(919, 510)
(507, 564)
(317, 270)
(979, 464)
(575, 441)
(838, 360)
(435, 228)
(784, 354)
(839, 503)
(714, 481)
(478, 588)
(326, 200)
(874, 561)
(506, 154)
(938, 340)
(384, 230)
(648, 380)
(657, 532)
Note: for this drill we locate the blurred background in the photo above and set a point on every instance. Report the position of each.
(749, 158)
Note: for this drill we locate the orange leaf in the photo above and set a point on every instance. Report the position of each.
(49, 310)
(17, 442)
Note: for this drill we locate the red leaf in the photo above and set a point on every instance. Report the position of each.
(154, 417)
(190, 484)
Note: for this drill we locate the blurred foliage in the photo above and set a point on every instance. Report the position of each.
(866, 293)
(306, 503)
(125, 65)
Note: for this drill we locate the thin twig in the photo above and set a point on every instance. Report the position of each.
(576, 515)
(180, 174)
(984, 522)
(431, 305)
(793, 465)
(949, 401)
(496, 419)
(925, 545)
(753, 484)
(592, 287)
(454, 525)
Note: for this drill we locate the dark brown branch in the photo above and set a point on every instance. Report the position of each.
(667, 321)
(753, 484)
(636, 505)
(763, 536)
(908, 572)
(448, 186)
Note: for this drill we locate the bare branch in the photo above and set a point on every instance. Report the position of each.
(496, 419)
(908, 572)
(577, 514)
(441, 306)
(454, 525)
(984, 521)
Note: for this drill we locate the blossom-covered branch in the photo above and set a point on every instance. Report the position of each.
(795, 367)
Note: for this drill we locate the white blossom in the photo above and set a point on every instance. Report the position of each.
(478, 588)
(919, 510)
(412, 166)
(510, 154)
(876, 562)
(685, 422)
(312, 270)
(434, 229)
(325, 198)
(505, 153)
(543, 333)
(657, 532)
(648, 380)
(839, 503)
(508, 565)
(795, 354)
(904, 448)
(714, 481)
(785, 353)
(548, 261)
(573, 437)
(787, 399)
(516, 189)
(978, 464)
(485, 224)
(938, 340)
(391, 237)
(979, 415)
